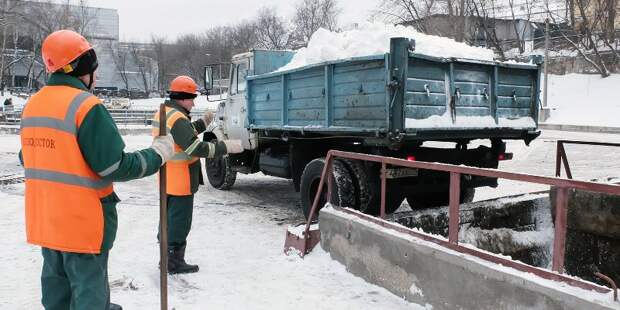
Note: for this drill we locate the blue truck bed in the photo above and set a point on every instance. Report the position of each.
(401, 94)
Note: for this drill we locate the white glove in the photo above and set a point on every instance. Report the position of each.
(164, 146)
(207, 118)
(233, 146)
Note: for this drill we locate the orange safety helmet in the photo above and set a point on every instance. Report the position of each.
(184, 84)
(61, 48)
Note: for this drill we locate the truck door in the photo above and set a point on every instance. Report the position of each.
(235, 109)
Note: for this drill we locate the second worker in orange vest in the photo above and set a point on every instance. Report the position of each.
(184, 172)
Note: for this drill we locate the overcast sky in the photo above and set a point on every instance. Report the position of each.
(138, 19)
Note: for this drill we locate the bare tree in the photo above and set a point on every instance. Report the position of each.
(8, 19)
(310, 15)
(121, 59)
(486, 24)
(160, 54)
(83, 18)
(143, 63)
(588, 35)
(419, 13)
(271, 30)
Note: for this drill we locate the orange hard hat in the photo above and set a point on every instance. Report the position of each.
(184, 84)
(61, 48)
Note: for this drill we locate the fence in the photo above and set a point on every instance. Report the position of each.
(120, 116)
(564, 185)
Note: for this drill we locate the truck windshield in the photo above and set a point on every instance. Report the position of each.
(233, 79)
(242, 72)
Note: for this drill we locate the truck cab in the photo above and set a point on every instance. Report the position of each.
(232, 113)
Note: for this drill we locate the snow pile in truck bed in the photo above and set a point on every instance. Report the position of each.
(374, 39)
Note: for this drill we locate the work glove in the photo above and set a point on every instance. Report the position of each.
(164, 147)
(207, 118)
(233, 146)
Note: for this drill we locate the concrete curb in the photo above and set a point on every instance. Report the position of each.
(579, 128)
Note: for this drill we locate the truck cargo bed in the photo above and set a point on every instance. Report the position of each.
(401, 94)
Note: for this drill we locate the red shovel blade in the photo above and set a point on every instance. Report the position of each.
(296, 243)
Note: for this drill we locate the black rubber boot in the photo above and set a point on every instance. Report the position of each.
(115, 307)
(176, 261)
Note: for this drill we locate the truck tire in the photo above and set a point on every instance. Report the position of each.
(363, 188)
(433, 200)
(393, 191)
(343, 192)
(220, 173)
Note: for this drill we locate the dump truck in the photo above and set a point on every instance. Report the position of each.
(396, 104)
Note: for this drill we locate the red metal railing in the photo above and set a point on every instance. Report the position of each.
(561, 158)
(564, 185)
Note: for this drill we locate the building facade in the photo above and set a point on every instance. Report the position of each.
(119, 68)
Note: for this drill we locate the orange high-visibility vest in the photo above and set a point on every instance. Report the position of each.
(177, 168)
(63, 207)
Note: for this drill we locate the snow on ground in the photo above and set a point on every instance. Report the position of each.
(584, 99)
(374, 39)
(238, 236)
(18, 102)
(237, 239)
(586, 162)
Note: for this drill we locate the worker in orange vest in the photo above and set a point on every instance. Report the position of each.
(184, 172)
(72, 152)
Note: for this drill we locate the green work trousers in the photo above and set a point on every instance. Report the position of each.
(180, 209)
(72, 281)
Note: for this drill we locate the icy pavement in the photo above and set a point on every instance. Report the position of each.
(237, 239)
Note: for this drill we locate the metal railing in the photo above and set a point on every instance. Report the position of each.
(562, 159)
(120, 116)
(564, 185)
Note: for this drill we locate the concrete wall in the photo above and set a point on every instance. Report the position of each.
(593, 234)
(425, 273)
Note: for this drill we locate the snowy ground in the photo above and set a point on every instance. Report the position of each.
(584, 99)
(237, 240)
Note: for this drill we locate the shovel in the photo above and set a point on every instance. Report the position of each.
(163, 220)
(302, 242)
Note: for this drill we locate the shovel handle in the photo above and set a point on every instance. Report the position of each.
(163, 219)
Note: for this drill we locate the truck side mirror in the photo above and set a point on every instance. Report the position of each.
(208, 78)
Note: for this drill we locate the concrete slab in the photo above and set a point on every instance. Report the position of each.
(426, 273)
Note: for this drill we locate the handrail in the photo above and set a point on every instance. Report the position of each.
(120, 116)
(564, 185)
(561, 158)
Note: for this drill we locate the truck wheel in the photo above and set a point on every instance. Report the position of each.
(393, 190)
(364, 190)
(432, 200)
(220, 173)
(343, 192)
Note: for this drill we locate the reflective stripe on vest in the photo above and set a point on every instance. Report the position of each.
(63, 194)
(69, 179)
(177, 168)
(67, 125)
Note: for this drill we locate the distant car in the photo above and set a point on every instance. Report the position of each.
(118, 103)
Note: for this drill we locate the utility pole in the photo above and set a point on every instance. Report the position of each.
(546, 66)
(5, 24)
